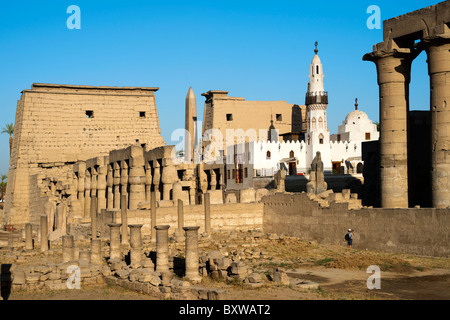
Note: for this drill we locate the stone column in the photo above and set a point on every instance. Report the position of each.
(61, 218)
(124, 179)
(179, 232)
(28, 237)
(393, 69)
(148, 182)
(153, 216)
(44, 234)
(87, 195)
(207, 204)
(116, 182)
(123, 218)
(114, 243)
(157, 179)
(162, 248)
(191, 262)
(93, 217)
(68, 250)
(136, 177)
(135, 244)
(96, 251)
(94, 180)
(168, 177)
(49, 211)
(438, 52)
(101, 188)
(109, 187)
(80, 187)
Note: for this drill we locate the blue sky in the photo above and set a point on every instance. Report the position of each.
(259, 50)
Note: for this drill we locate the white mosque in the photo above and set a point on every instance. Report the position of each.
(341, 153)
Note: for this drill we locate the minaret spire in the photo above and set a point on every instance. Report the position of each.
(356, 103)
(316, 50)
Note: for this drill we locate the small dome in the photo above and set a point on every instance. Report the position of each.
(356, 115)
(316, 60)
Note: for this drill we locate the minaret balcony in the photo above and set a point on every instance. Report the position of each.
(320, 97)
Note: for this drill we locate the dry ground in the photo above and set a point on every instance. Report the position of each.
(339, 271)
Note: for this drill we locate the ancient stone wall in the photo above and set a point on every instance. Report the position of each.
(230, 216)
(423, 231)
(58, 125)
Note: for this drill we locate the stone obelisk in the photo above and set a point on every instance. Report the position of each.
(190, 125)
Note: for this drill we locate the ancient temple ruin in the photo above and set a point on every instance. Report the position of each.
(404, 38)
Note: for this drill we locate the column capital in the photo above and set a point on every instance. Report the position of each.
(112, 225)
(162, 227)
(191, 228)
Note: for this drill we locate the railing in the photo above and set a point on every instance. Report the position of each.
(317, 97)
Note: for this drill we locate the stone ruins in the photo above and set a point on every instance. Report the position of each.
(95, 194)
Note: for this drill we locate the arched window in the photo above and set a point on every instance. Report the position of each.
(291, 154)
(320, 122)
(321, 138)
(308, 139)
(313, 123)
(317, 69)
(268, 155)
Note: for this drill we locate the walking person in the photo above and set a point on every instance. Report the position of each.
(349, 237)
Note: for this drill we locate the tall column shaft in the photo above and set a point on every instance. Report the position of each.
(162, 248)
(393, 80)
(191, 263)
(44, 234)
(114, 243)
(207, 204)
(101, 188)
(180, 216)
(87, 195)
(123, 219)
(94, 217)
(28, 237)
(109, 187)
(438, 52)
(124, 180)
(116, 183)
(136, 177)
(135, 244)
(153, 215)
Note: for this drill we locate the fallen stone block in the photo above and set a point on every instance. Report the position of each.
(122, 274)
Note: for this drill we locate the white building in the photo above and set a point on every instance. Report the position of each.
(340, 153)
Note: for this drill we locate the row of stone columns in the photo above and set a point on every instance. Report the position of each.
(394, 72)
(134, 178)
(162, 248)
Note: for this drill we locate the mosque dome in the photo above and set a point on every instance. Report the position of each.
(356, 115)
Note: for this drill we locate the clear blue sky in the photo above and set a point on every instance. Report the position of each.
(259, 50)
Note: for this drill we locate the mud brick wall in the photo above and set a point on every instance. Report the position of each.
(422, 231)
